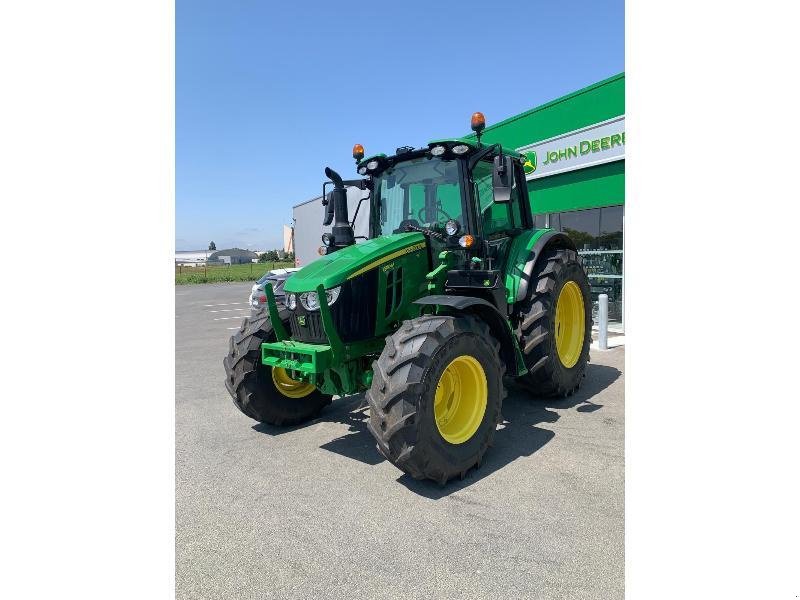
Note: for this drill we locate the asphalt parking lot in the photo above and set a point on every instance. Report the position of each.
(314, 511)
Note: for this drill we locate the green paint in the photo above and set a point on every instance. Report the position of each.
(334, 269)
(437, 277)
(593, 187)
(272, 308)
(518, 255)
(339, 368)
(393, 309)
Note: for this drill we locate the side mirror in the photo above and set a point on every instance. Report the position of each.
(502, 178)
(327, 202)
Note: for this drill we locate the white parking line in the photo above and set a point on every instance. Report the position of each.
(230, 328)
(226, 310)
(227, 318)
(223, 304)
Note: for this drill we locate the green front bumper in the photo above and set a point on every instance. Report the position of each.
(310, 359)
(314, 363)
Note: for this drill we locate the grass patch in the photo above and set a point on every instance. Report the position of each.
(221, 273)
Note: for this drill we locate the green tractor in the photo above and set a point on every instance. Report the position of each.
(453, 291)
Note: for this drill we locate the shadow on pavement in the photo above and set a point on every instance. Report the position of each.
(358, 443)
(518, 436)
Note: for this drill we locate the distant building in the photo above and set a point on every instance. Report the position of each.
(191, 258)
(232, 256)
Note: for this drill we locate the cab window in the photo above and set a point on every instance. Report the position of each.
(422, 190)
(497, 218)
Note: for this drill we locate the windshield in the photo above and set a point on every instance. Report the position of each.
(424, 191)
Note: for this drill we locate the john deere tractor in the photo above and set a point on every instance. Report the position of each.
(453, 291)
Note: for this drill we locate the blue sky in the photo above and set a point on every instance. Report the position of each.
(269, 93)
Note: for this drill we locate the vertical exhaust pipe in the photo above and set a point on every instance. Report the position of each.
(342, 231)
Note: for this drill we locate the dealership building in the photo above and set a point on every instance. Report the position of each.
(576, 176)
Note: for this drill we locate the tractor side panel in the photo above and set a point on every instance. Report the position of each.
(401, 281)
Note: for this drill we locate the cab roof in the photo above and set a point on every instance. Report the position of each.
(416, 152)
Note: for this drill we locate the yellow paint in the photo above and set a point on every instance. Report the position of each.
(570, 324)
(460, 400)
(288, 386)
(387, 258)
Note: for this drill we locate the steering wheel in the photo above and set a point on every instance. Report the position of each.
(404, 222)
(438, 210)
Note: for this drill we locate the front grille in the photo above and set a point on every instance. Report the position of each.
(353, 313)
(311, 329)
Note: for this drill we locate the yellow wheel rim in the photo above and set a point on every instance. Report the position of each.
(288, 386)
(570, 324)
(460, 400)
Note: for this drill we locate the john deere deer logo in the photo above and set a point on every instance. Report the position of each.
(529, 166)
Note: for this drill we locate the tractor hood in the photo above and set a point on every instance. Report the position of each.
(334, 269)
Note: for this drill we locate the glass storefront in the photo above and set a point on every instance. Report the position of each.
(597, 233)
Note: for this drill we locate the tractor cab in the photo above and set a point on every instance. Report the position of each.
(466, 197)
(460, 193)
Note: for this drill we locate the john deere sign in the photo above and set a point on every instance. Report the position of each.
(594, 145)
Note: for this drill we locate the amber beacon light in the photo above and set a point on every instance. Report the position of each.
(478, 124)
(358, 152)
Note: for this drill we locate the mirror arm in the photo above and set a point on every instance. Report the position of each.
(355, 215)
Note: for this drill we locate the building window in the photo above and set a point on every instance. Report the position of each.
(597, 234)
(610, 228)
(583, 226)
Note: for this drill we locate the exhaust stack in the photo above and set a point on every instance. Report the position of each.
(342, 231)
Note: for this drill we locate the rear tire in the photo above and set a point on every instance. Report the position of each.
(256, 390)
(555, 368)
(437, 367)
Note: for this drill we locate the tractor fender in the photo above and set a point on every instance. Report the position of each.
(488, 313)
(551, 239)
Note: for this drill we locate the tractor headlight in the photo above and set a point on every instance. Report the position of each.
(452, 227)
(438, 150)
(460, 149)
(310, 300)
(327, 239)
(362, 170)
(291, 301)
(332, 294)
(372, 165)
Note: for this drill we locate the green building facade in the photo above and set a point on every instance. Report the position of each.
(576, 175)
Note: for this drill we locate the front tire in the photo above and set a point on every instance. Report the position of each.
(554, 325)
(436, 396)
(262, 393)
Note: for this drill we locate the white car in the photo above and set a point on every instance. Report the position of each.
(277, 277)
